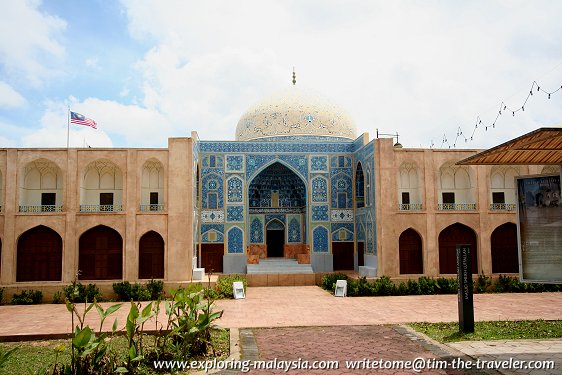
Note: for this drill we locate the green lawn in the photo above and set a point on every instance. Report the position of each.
(502, 330)
(30, 356)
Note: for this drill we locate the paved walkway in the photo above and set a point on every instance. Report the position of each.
(341, 328)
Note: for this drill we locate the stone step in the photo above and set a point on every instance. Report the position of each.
(279, 266)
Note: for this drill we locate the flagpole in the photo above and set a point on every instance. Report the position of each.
(67, 127)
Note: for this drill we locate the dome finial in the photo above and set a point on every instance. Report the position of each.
(294, 77)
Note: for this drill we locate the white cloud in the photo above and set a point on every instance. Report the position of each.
(419, 69)
(93, 62)
(28, 41)
(9, 97)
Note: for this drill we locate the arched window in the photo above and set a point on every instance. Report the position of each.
(502, 187)
(449, 238)
(359, 186)
(151, 256)
(505, 257)
(41, 189)
(456, 187)
(100, 254)
(152, 186)
(410, 252)
(39, 255)
(102, 187)
(409, 194)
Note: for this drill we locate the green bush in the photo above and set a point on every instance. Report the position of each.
(329, 280)
(359, 287)
(58, 297)
(383, 286)
(27, 297)
(483, 284)
(136, 292)
(156, 289)
(402, 289)
(427, 285)
(447, 286)
(224, 285)
(78, 292)
(413, 287)
(1, 294)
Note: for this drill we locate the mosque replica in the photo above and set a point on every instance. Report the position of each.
(297, 194)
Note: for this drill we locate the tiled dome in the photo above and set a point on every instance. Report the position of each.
(294, 112)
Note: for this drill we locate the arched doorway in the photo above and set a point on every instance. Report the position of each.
(39, 256)
(100, 254)
(151, 256)
(359, 187)
(278, 195)
(504, 249)
(410, 252)
(448, 240)
(275, 238)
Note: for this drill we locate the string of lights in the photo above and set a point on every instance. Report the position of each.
(503, 109)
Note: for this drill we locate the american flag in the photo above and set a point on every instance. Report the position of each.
(77, 118)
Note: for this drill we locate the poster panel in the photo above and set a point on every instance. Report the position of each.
(539, 224)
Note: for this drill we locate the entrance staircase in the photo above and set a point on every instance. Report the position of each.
(279, 266)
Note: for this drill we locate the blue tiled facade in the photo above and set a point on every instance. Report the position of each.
(316, 206)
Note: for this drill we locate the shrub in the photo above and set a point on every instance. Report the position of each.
(137, 292)
(156, 289)
(413, 287)
(446, 286)
(329, 280)
(402, 289)
(78, 292)
(427, 285)
(224, 285)
(58, 297)
(482, 284)
(384, 287)
(1, 294)
(27, 297)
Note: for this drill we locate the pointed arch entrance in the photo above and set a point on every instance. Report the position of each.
(39, 256)
(100, 254)
(410, 252)
(151, 256)
(277, 197)
(275, 238)
(449, 238)
(505, 258)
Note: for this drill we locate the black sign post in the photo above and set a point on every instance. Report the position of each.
(464, 277)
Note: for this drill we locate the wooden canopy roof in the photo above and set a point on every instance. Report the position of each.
(542, 146)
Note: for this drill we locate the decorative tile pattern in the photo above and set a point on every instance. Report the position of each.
(214, 216)
(319, 189)
(256, 231)
(319, 164)
(280, 217)
(298, 163)
(256, 162)
(342, 194)
(234, 190)
(212, 183)
(216, 227)
(275, 225)
(341, 161)
(320, 213)
(235, 163)
(320, 240)
(294, 234)
(235, 237)
(235, 213)
(274, 147)
(207, 161)
(342, 232)
(212, 236)
(342, 216)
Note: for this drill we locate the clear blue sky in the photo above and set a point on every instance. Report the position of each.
(149, 70)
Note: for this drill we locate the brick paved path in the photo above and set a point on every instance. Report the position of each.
(340, 344)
